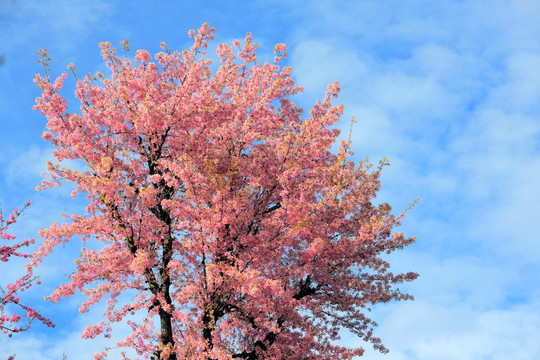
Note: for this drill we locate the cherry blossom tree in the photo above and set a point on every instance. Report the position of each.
(10, 321)
(241, 234)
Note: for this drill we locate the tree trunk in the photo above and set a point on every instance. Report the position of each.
(166, 332)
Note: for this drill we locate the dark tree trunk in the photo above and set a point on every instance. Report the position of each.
(166, 331)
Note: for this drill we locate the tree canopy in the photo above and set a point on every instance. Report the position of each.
(224, 210)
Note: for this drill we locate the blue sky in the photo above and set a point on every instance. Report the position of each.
(449, 91)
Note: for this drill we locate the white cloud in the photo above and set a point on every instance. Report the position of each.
(59, 21)
(520, 90)
(28, 164)
(317, 63)
(423, 331)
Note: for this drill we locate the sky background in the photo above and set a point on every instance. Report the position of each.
(448, 90)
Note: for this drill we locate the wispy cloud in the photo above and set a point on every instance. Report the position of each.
(56, 22)
(427, 331)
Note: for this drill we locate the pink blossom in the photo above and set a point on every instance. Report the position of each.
(220, 206)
